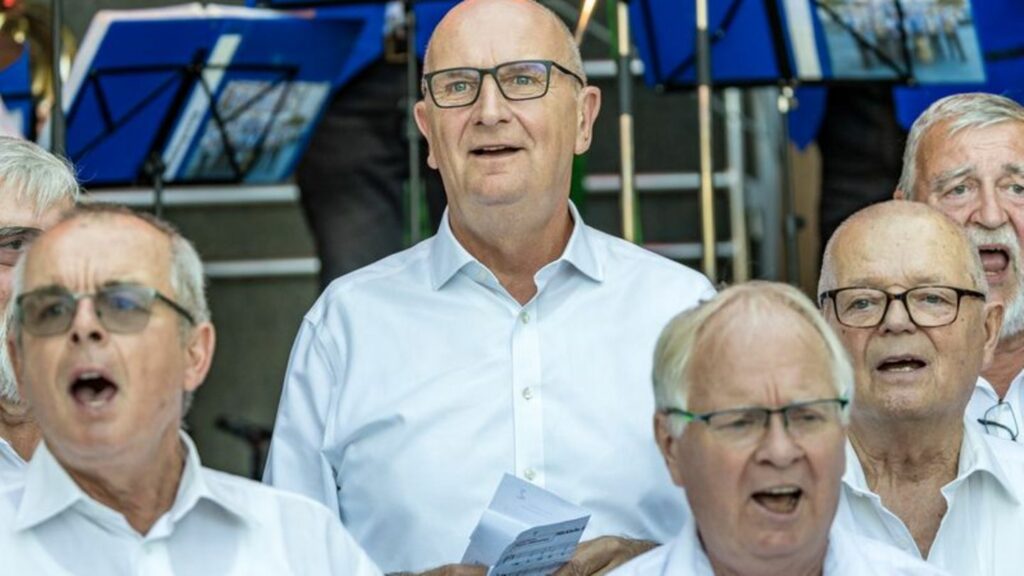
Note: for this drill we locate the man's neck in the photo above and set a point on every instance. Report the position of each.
(1007, 363)
(907, 463)
(18, 428)
(803, 565)
(515, 251)
(142, 489)
(908, 451)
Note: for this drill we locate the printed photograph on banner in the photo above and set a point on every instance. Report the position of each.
(265, 124)
(935, 40)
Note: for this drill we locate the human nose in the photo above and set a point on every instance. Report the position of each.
(492, 106)
(990, 213)
(896, 317)
(85, 322)
(777, 446)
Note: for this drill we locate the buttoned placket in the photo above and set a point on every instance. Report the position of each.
(527, 395)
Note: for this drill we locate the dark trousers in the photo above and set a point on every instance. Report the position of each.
(351, 179)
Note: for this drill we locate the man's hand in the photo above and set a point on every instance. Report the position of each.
(449, 570)
(600, 555)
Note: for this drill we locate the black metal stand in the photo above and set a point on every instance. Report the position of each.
(183, 79)
(58, 127)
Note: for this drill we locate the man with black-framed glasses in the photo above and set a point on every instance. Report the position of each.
(417, 382)
(904, 288)
(110, 336)
(751, 392)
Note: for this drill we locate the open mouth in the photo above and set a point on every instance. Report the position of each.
(901, 364)
(498, 151)
(779, 500)
(994, 258)
(92, 389)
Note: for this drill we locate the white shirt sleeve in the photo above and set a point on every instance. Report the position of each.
(295, 461)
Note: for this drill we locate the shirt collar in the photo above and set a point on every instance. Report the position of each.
(49, 490)
(9, 455)
(448, 257)
(976, 457)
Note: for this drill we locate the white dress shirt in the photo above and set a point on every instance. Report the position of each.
(11, 464)
(416, 382)
(848, 555)
(983, 528)
(985, 404)
(219, 524)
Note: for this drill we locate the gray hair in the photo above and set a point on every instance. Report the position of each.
(186, 269)
(42, 180)
(972, 110)
(568, 38)
(673, 354)
(35, 175)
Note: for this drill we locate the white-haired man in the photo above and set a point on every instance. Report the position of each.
(965, 156)
(108, 345)
(36, 187)
(516, 340)
(751, 390)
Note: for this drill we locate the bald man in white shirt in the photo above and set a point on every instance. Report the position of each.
(517, 340)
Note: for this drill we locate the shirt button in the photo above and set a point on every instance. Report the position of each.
(525, 317)
(528, 393)
(529, 474)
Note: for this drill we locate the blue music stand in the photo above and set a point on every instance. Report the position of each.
(138, 116)
(751, 44)
(16, 90)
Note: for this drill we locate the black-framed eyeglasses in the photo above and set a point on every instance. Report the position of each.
(121, 308)
(518, 80)
(927, 306)
(743, 426)
(1000, 420)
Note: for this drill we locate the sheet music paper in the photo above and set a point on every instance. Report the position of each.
(526, 531)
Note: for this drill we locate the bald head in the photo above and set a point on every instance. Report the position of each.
(897, 230)
(524, 22)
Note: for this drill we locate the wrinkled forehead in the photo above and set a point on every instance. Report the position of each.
(484, 34)
(909, 251)
(731, 364)
(84, 253)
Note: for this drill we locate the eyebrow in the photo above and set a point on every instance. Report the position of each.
(944, 178)
(1014, 168)
(873, 283)
(9, 231)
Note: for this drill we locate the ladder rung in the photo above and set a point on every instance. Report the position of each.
(654, 182)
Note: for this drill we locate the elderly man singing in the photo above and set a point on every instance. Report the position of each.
(108, 345)
(751, 389)
(36, 187)
(965, 156)
(905, 290)
(515, 340)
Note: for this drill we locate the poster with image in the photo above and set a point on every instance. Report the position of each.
(933, 41)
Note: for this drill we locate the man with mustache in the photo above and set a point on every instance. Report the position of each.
(904, 289)
(965, 156)
(35, 188)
